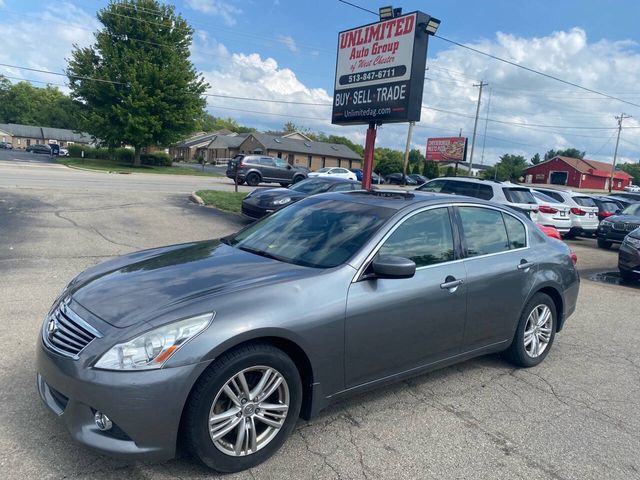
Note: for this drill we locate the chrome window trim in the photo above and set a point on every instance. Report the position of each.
(374, 251)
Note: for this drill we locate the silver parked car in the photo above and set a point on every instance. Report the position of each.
(230, 341)
(552, 213)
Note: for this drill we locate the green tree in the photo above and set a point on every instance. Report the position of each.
(568, 152)
(632, 169)
(510, 167)
(151, 93)
(535, 160)
(387, 160)
(416, 169)
(415, 157)
(431, 169)
(450, 172)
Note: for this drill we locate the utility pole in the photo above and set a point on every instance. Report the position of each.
(486, 122)
(475, 124)
(406, 153)
(615, 153)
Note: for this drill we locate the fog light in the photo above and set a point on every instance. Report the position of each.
(102, 421)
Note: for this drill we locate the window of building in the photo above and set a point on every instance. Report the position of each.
(279, 154)
(28, 142)
(324, 159)
(425, 238)
(483, 230)
(19, 141)
(309, 158)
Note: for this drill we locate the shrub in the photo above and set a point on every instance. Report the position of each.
(416, 169)
(75, 150)
(156, 159)
(124, 155)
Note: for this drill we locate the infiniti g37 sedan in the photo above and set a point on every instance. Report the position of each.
(221, 345)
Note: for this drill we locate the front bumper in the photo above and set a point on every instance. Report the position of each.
(145, 406)
(629, 259)
(611, 235)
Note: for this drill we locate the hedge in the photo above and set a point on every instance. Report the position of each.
(122, 155)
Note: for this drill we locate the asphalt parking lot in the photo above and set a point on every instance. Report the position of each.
(575, 416)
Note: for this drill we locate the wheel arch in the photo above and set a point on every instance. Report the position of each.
(557, 299)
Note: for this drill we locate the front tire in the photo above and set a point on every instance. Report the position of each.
(604, 244)
(298, 178)
(627, 275)
(535, 333)
(243, 408)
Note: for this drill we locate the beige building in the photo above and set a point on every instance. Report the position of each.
(295, 148)
(22, 136)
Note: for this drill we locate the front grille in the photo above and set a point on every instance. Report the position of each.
(66, 333)
(625, 227)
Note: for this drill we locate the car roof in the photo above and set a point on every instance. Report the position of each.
(333, 179)
(399, 199)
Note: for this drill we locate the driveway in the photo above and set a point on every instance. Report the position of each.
(16, 155)
(575, 416)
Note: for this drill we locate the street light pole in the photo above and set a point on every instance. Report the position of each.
(475, 124)
(406, 153)
(615, 153)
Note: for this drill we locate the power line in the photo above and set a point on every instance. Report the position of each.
(80, 77)
(359, 7)
(267, 100)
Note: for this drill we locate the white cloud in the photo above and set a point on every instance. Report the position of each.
(289, 42)
(217, 8)
(25, 43)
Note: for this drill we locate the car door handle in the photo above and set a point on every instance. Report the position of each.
(451, 284)
(524, 265)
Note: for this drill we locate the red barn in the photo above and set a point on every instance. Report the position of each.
(578, 173)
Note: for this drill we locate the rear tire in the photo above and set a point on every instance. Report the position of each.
(535, 333)
(604, 244)
(240, 182)
(298, 178)
(284, 184)
(253, 179)
(627, 275)
(229, 453)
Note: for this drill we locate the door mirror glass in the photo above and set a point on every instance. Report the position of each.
(391, 266)
(288, 167)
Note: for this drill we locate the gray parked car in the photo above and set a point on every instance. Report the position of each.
(255, 169)
(230, 341)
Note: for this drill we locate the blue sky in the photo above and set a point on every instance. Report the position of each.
(285, 50)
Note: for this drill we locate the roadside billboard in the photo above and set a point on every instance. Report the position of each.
(447, 149)
(380, 71)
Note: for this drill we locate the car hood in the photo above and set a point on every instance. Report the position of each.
(623, 219)
(266, 197)
(144, 285)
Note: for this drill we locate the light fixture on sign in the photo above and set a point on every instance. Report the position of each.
(385, 12)
(432, 26)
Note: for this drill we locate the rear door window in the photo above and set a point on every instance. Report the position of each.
(484, 231)
(519, 195)
(434, 186)
(516, 232)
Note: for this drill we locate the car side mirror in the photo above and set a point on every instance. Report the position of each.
(391, 266)
(289, 167)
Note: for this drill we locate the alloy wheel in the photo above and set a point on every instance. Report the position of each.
(249, 411)
(537, 331)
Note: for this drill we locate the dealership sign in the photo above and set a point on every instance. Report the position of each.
(380, 71)
(447, 149)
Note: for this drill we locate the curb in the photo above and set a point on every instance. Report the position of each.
(195, 198)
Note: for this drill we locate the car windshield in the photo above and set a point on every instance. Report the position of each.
(543, 198)
(519, 195)
(585, 201)
(311, 186)
(606, 206)
(322, 170)
(632, 210)
(316, 232)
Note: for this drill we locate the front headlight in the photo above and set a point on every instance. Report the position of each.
(152, 349)
(606, 223)
(282, 201)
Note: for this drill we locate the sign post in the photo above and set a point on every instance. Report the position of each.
(380, 76)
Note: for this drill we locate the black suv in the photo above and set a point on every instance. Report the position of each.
(613, 229)
(39, 148)
(254, 169)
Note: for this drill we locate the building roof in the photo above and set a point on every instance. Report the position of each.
(46, 133)
(196, 140)
(586, 166)
(273, 142)
(227, 141)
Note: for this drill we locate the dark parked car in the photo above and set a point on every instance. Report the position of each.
(614, 229)
(624, 202)
(607, 206)
(261, 202)
(228, 342)
(6, 146)
(420, 179)
(255, 169)
(375, 178)
(629, 256)
(39, 148)
(398, 179)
